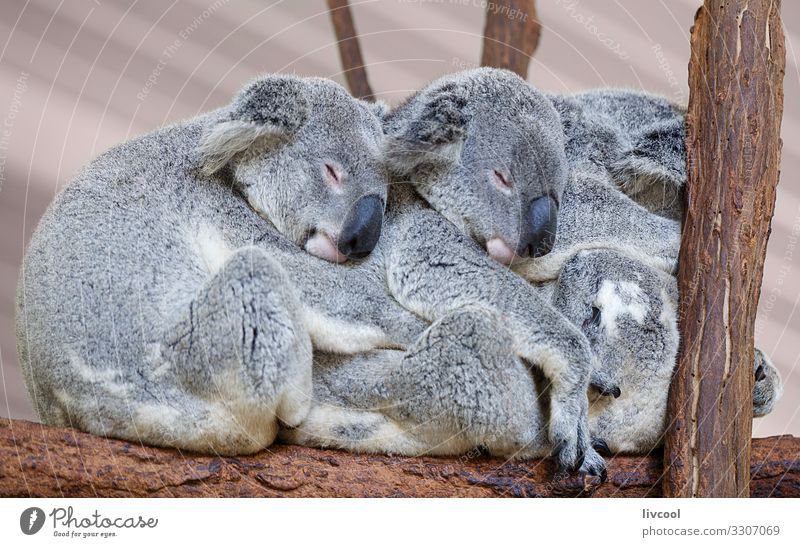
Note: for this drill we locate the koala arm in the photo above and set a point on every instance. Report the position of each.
(433, 269)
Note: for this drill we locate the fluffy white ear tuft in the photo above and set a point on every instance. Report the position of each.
(221, 142)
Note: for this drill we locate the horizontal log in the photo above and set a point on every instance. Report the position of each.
(37, 460)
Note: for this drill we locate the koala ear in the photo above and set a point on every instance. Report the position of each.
(378, 108)
(271, 107)
(657, 160)
(431, 134)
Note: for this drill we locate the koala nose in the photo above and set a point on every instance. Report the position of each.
(539, 227)
(362, 228)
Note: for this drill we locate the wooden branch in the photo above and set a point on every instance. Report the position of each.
(733, 144)
(350, 50)
(37, 460)
(511, 35)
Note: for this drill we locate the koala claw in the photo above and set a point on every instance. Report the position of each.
(601, 446)
(607, 390)
(594, 466)
(603, 384)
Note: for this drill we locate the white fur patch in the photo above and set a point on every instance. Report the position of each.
(616, 298)
(331, 334)
(210, 247)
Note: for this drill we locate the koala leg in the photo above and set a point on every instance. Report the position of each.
(460, 386)
(240, 343)
(768, 387)
(433, 280)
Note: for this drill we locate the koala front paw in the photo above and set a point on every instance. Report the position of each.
(768, 386)
(601, 382)
(594, 465)
(570, 438)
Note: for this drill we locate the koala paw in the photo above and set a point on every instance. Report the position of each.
(768, 386)
(594, 465)
(571, 444)
(601, 447)
(604, 385)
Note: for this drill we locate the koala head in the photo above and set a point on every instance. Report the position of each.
(628, 312)
(486, 150)
(307, 157)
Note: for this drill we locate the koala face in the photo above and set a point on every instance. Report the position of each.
(307, 157)
(486, 150)
(627, 311)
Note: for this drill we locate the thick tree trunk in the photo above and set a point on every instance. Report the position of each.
(37, 460)
(733, 144)
(349, 50)
(511, 35)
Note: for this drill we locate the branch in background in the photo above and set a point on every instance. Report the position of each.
(511, 35)
(350, 50)
(37, 460)
(733, 146)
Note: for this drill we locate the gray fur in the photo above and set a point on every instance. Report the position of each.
(127, 327)
(159, 302)
(438, 270)
(611, 273)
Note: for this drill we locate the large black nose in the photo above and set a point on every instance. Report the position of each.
(362, 228)
(539, 227)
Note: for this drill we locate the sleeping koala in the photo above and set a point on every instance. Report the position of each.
(192, 305)
(488, 155)
(629, 142)
(172, 291)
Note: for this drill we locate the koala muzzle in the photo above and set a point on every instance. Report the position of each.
(539, 228)
(362, 228)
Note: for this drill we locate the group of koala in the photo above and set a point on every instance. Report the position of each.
(482, 266)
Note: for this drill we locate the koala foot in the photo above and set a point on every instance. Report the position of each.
(768, 386)
(594, 466)
(604, 385)
(601, 446)
(241, 340)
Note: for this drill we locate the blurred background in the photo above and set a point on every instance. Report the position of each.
(80, 76)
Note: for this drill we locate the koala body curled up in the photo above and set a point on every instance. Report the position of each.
(171, 294)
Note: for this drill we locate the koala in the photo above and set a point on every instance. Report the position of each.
(614, 233)
(768, 385)
(173, 292)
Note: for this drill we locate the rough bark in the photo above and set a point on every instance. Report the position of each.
(349, 50)
(510, 35)
(37, 460)
(733, 144)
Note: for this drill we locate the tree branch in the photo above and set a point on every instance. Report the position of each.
(733, 147)
(510, 35)
(37, 460)
(349, 50)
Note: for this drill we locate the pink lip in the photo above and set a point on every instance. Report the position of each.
(501, 252)
(322, 246)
